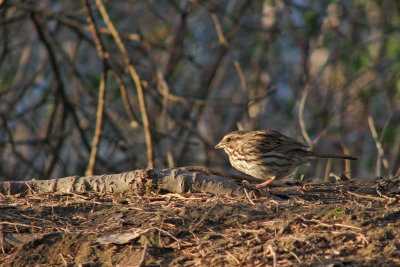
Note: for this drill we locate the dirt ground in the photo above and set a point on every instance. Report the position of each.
(346, 224)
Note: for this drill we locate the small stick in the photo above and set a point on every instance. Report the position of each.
(363, 238)
(381, 152)
(221, 37)
(20, 224)
(335, 224)
(64, 260)
(347, 226)
(173, 237)
(346, 162)
(294, 255)
(241, 75)
(142, 262)
(30, 188)
(301, 118)
(136, 79)
(273, 253)
(233, 257)
(327, 170)
(248, 197)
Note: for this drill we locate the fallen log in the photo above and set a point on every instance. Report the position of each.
(174, 180)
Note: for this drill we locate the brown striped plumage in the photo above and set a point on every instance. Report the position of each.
(268, 154)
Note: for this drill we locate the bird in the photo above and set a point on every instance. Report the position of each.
(268, 154)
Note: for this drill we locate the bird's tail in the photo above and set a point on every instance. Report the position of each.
(330, 155)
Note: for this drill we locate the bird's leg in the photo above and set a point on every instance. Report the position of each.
(267, 183)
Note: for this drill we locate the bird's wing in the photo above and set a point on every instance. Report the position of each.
(275, 141)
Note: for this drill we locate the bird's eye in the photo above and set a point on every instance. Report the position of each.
(228, 139)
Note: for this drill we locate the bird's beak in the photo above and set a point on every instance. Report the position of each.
(219, 145)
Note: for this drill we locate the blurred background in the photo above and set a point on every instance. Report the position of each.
(111, 86)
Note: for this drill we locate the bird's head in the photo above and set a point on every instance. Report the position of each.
(231, 140)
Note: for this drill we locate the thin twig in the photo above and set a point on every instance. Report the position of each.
(233, 257)
(294, 255)
(327, 170)
(20, 224)
(218, 27)
(99, 120)
(142, 261)
(165, 92)
(69, 22)
(241, 75)
(63, 259)
(164, 89)
(273, 253)
(45, 37)
(167, 233)
(124, 95)
(301, 117)
(50, 42)
(31, 189)
(136, 79)
(220, 102)
(346, 162)
(346, 226)
(103, 79)
(248, 197)
(381, 152)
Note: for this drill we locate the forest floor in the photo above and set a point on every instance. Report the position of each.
(333, 224)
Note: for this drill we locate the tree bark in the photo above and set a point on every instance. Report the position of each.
(138, 181)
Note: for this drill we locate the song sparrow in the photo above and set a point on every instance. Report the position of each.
(267, 154)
